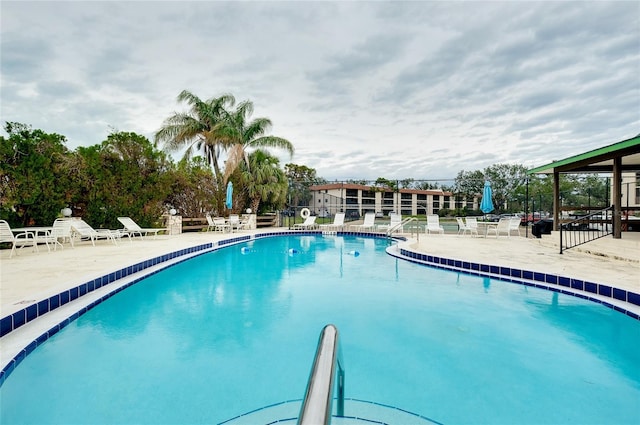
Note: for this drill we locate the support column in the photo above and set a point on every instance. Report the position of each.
(557, 202)
(617, 197)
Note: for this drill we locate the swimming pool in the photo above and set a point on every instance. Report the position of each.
(235, 330)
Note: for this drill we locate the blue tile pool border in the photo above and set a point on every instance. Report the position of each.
(548, 281)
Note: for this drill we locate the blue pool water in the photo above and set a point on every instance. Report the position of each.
(235, 330)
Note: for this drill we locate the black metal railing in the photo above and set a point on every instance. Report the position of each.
(586, 229)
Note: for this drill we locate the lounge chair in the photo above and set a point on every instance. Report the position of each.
(338, 223)
(309, 223)
(20, 240)
(217, 224)
(502, 227)
(82, 229)
(433, 224)
(132, 228)
(367, 224)
(394, 223)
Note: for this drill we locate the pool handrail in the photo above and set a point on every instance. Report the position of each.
(401, 226)
(318, 397)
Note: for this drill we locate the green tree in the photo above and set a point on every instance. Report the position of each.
(300, 178)
(34, 178)
(263, 181)
(203, 128)
(124, 176)
(193, 189)
(506, 181)
(245, 134)
(209, 126)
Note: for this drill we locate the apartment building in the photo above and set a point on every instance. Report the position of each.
(356, 200)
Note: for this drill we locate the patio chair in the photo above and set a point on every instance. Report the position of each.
(462, 227)
(338, 223)
(20, 240)
(86, 232)
(514, 225)
(472, 225)
(433, 224)
(395, 221)
(132, 228)
(217, 224)
(309, 223)
(60, 231)
(502, 227)
(234, 222)
(367, 224)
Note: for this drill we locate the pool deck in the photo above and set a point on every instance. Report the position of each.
(30, 277)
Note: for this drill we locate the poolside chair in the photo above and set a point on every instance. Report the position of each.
(395, 221)
(462, 227)
(132, 228)
(368, 223)
(338, 223)
(514, 225)
(234, 222)
(20, 240)
(218, 224)
(502, 227)
(472, 225)
(309, 223)
(433, 224)
(86, 232)
(60, 231)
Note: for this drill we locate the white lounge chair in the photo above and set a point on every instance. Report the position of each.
(433, 224)
(82, 229)
(338, 223)
(217, 224)
(309, 223)
(132, 227)
(502, 227)
(394, 223)
(20, 240)
(369, 223)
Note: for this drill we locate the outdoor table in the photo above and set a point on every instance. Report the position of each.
(483, 226)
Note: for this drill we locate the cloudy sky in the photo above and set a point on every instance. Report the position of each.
(362, 89)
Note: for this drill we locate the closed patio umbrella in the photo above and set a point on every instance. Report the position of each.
(229, 202)
(486, 204)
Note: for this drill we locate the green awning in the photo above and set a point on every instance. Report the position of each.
(598, 160)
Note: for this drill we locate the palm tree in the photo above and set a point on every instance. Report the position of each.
(210, 127)
(243, 134)
(199, 129)
(263, 179)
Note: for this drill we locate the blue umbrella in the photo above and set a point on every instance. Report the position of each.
(229, 201)
(486, 205)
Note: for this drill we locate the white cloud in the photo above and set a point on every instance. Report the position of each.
(362, 89)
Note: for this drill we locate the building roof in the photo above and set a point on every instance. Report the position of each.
(598, 160)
